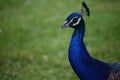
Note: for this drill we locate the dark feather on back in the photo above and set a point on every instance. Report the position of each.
(115, 71)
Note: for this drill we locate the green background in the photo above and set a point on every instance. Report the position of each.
(33, 48)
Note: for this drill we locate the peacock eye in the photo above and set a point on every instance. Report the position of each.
(75, 20)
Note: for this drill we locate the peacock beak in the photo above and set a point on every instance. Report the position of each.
(64, 25)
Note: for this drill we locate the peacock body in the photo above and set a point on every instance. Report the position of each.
(85, 66)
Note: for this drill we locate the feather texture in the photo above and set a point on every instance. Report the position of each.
(114, 72)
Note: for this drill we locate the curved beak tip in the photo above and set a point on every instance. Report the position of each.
(64, 25)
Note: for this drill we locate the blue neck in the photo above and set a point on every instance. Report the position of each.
(86, 67)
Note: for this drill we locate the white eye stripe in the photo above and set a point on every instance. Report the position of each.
(79, 19)
(73, 19)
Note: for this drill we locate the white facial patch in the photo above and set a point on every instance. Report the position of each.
(79, 19)
(73, 19)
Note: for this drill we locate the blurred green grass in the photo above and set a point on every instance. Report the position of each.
(33, 48)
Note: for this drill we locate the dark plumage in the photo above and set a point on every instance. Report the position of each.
(87, 9)
(85, 66)
(114, 71)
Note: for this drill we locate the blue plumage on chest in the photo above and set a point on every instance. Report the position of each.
(83, 64)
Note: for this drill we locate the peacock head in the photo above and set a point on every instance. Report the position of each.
(75, 20)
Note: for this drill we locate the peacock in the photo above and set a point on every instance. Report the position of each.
(84, 65)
